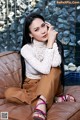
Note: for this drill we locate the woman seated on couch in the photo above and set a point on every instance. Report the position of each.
(42, 68)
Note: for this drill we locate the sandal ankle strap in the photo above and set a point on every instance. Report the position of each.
(40, 111)
(43, 101)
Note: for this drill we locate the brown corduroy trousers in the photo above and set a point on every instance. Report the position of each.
(48, 86)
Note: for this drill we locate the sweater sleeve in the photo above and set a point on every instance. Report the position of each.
(56, 56)
(43, 66)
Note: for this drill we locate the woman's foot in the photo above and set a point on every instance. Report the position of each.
(40, 110)
(64, 98)
(60, 99)
(70, 98)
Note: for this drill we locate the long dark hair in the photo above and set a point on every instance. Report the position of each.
(26, 38)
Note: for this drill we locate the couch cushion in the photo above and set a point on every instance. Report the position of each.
(67, 110)
(63, 111)
(16, 111)
(58, 111)
(10, 71)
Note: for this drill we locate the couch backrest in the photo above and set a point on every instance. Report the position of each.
(10, 71)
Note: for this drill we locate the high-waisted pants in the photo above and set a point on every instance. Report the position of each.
(49, 86)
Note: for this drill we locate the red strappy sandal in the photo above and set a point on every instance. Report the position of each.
(60, 99)
(64, 98)
(39, 114)
(70, 98)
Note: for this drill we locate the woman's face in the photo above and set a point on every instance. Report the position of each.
(38, 30)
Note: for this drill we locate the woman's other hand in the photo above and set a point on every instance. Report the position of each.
(51, 35)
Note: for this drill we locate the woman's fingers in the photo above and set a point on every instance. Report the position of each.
(49, 25)
(51, 28)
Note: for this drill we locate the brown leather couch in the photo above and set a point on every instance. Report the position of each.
(10, 75)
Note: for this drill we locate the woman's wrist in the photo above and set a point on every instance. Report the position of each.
(50, 45)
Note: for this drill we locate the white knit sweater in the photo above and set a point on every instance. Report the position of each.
(39, 59)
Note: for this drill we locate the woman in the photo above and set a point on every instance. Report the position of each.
(42, 67)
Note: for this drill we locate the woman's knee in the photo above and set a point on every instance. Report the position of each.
(56, 70)
(9, 92)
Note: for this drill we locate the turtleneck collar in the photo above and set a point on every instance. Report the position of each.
(38, 43)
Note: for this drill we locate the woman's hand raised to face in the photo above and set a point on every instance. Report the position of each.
(51, 35)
